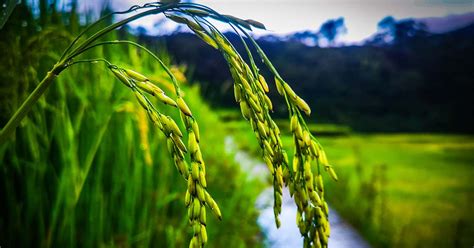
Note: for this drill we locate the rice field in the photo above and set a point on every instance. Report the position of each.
(398, 190)
(405, 190)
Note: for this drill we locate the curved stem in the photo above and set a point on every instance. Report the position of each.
(162, 64)
(89, 61)
(109, 28)
(71, 52)
(132, 8)
(82, 33)
(15, 120)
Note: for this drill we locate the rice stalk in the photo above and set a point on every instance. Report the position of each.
(303, 176)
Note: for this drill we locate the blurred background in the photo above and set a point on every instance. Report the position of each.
(391, 85)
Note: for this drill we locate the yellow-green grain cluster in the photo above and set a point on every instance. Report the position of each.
(303, 176)
(196, 196)
(307, 185)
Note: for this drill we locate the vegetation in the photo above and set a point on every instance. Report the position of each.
(399, 190)
(250, 90)
(405, 190)
(87, 168)
(90, 165)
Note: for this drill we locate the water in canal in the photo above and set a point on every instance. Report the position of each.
(342, 234)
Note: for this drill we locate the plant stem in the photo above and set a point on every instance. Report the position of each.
(111, 27)
(15, 120)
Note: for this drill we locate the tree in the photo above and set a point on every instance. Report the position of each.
(392, 31)
(331, 29)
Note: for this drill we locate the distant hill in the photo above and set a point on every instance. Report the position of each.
(419, 83)
(448, 23)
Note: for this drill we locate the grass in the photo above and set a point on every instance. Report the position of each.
(88, 169)
(399, 190)
(250, 89)
(405, 190)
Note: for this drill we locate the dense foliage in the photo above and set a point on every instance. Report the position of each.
(87, 168)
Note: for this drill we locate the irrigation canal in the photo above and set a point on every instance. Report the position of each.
(342, 233)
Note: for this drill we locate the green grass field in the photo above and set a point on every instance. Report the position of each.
(405, 190)
(398, 190)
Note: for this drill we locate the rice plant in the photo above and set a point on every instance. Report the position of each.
(303, 176)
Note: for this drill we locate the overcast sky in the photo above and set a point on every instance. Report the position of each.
(361, 16)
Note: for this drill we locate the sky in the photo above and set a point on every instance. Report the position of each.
(361, 16)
